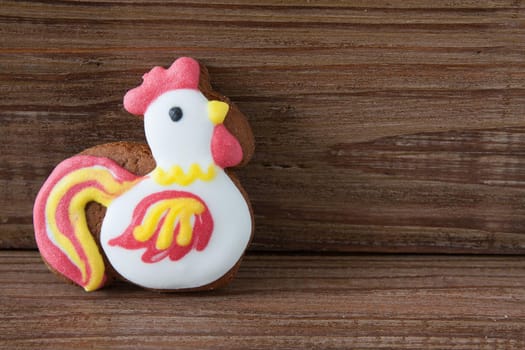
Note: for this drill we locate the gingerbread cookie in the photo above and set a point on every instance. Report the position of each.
(181, 224)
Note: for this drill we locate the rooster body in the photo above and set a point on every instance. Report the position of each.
(182, 226)
(224, 249)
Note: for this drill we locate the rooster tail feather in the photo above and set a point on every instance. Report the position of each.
(61, 229)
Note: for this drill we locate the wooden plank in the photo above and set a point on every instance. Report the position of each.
(281, 301)
(392, 126)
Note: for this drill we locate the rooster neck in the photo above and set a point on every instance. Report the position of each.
(183, 141)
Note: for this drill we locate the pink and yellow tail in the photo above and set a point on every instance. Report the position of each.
(61, 230)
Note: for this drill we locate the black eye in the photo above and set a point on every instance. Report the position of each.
(176, 114)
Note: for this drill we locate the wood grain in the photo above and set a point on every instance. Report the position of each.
(279, 302)
(386, 126)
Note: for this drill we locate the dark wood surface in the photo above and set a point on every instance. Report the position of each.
(279, 302)
(385, 126)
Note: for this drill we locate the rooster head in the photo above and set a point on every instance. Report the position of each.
(182, 126)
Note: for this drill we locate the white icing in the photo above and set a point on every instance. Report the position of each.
(181, 143)
(230, 237)
(186, 141)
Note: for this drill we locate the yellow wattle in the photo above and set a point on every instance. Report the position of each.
(176, 175)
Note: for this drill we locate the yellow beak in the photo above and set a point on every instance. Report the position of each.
(217, 111)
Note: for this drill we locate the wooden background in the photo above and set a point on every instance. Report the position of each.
(381, 127)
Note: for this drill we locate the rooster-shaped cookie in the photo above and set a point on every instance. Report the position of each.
(183, 226)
